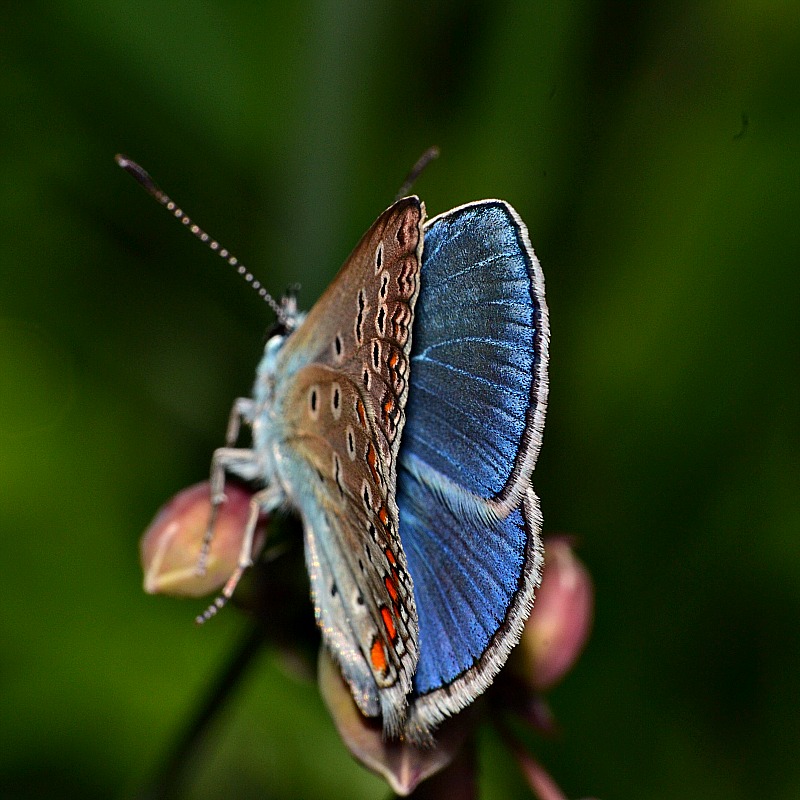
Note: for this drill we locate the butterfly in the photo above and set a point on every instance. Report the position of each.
(402, 418)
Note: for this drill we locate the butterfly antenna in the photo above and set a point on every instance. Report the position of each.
(429, 155)
(154, 190)
(222, 599)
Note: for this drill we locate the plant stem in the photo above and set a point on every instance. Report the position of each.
(172, 774)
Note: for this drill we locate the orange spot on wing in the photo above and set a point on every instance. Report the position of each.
(372, 460)
(391, 587)
(362, 413)
(390, 556)
(377, 654)
(383, 515)
(393, 359)
(388, 623)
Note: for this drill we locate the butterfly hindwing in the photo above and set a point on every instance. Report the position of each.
(359, 566)
(475, 573)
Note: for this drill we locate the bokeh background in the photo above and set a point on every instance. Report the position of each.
(654, 152)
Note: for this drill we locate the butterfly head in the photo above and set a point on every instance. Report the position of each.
(287, 322)
(288, 317)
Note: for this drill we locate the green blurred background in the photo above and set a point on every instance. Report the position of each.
(654, 152)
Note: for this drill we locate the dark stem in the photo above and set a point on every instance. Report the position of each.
(539, 780)
(457, 781)
(173, 772)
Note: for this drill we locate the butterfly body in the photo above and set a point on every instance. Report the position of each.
(401, 418)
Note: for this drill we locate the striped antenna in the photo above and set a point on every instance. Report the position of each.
(285, 317)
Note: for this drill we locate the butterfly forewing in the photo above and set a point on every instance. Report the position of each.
(339, 407)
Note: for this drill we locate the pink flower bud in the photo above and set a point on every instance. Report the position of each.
(170, 548)
(403, 765)
(561, 620)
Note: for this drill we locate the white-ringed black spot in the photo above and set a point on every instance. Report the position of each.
(384, 285)
(337, 345)
(334, 590)
(360, 316)
(376, 354)
(366, 379)
(336, 401)
(360, 599)
(312, 401)
(379, 257)
(351, 443)
(337, 473)
(367, 495)
(380, 320)
(360, 564)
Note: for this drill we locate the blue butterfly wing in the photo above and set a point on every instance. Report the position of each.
(471, 569)
(479, 357)
(469, 520)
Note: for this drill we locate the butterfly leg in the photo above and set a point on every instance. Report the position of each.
(262, 502)
(243, 411)
(265, 501)
(241, 461)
